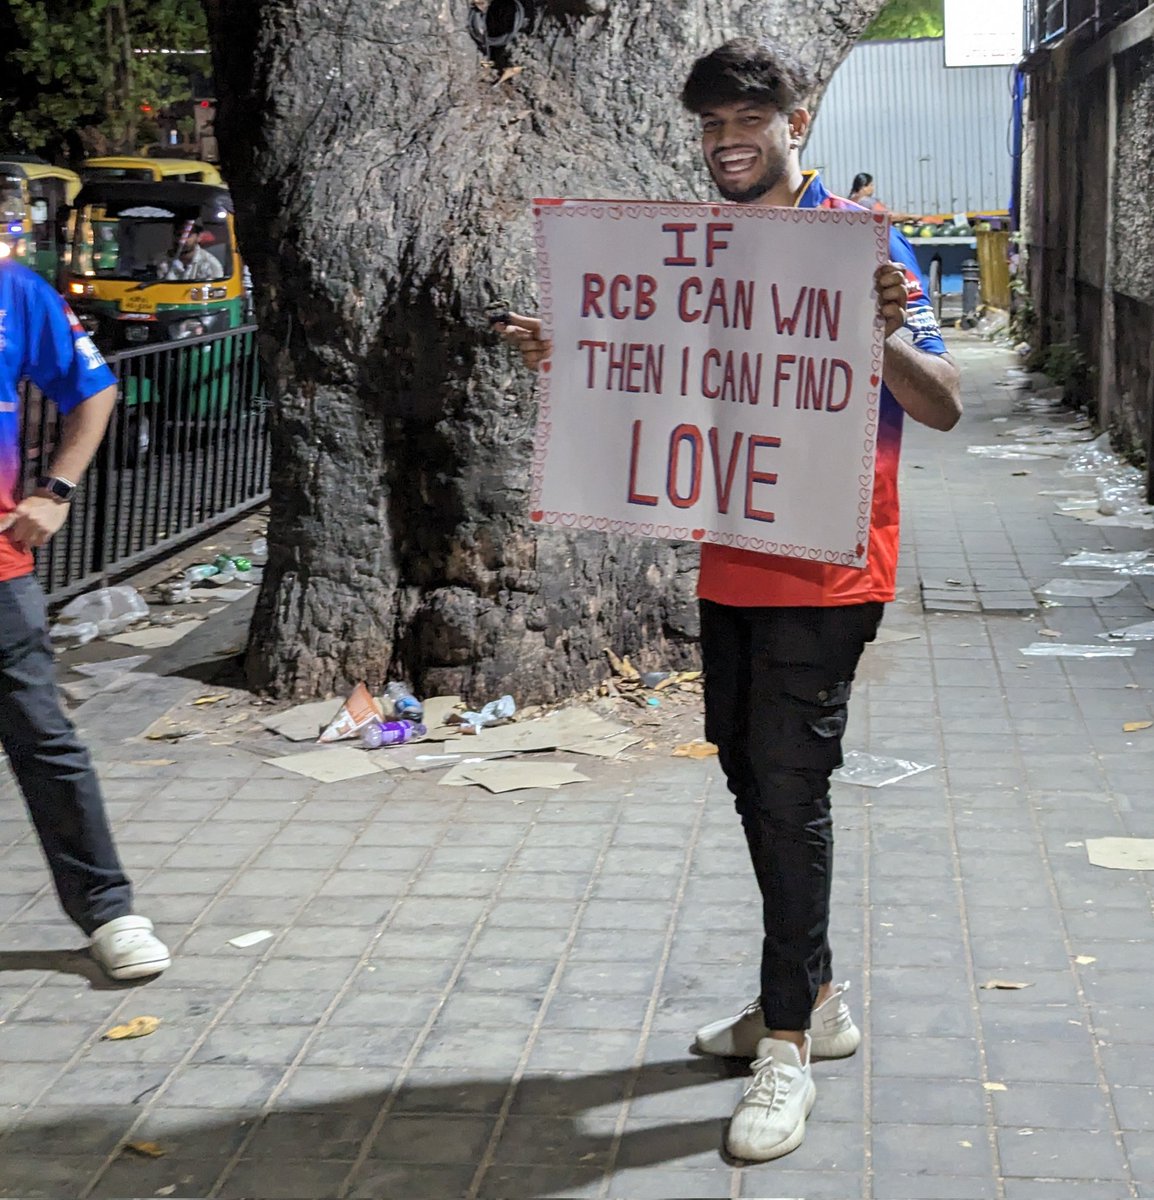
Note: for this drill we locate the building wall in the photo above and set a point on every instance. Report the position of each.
(1090, 235)
(936, 139)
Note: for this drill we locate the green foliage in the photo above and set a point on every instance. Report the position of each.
(71, 75)
(907, 19)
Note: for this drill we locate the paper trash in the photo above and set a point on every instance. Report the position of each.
(1121, 854)
(1092, 589)
(356, 712)
(876, 770)
(1070, 650)
(1142, 632)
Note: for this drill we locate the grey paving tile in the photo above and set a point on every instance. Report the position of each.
(925, 1058)
(1060, 1154)
(1061, 1189)
(404, 1181)
(953, 1150)
(1053, 1106)
(284, 1178)
(432, 1138)
(888, 1186)
(898, 1101)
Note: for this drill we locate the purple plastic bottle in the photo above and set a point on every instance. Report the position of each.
(390, 733)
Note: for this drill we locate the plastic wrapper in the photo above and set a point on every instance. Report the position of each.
(1018, 451)
(493, 713)
(1070, 650)
(78, 634)
(876, 770)
(1109, 560)
(356, 712)
(1094, 458)
(1142, 632)
(1089, 589)
(110, 609)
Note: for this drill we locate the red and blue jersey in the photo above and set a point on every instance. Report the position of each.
(744, 578)
(40, 340)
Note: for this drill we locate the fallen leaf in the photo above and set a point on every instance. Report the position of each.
(137, 1027)
(167, 1190)
(1134, 726)
(695, 750)
(507, 74)
(688, 676)
(1084, 960)
(211, 699)
(1019, 472)
(622, 667)
(146, 1149)
(994, 1087)
(1050, 633)
(1004, 985)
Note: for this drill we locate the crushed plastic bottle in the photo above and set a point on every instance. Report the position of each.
(493, 713)
(110, 609)
(79, 634)
(403, 703)
(390, 733)
(259, 548)
(201, 572)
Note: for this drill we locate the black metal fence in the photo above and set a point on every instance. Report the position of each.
(186, 451)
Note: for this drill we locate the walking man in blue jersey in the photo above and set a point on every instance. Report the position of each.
(42, 341)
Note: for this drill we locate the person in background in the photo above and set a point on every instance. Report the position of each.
(42, 341)
(862, 192)
(188, 259)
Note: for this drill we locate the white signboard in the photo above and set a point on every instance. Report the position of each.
(715, 374)
(984, 33)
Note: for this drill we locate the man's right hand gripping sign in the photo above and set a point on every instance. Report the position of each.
(781, 637)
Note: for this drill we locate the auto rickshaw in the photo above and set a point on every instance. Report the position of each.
(35, 198)
(125, 168)
(152, 265)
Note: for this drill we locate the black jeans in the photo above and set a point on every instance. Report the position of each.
(52, 767)
(777, 686)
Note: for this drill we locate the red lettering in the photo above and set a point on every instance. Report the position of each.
(712, 358)
(682, 434)
(724, 490)
(636, 497)
(692, 284)
(812, 385)
(617, 310)
(754, 476)
(718, 299)
(832, 318)
(591, 347)
(654, 368)
(712, 242)
(593, 290)
(836, 365)
(679, 230)
(646, 290)
(636, 366)
(787, 324)
(743, 303)
(781, 376)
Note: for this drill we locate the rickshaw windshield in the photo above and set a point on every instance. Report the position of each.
(149, 245)
(11, 199)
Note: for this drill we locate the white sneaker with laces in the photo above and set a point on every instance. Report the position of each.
(832, 1031)
(126, 948)
(769, 1120)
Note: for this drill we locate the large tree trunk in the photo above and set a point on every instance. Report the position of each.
(382, 175)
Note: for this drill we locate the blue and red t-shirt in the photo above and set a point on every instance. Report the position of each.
(40, 340)
(746, 579)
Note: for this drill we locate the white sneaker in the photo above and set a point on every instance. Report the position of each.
(128, 949)
(769, 1121)
(832, 1031)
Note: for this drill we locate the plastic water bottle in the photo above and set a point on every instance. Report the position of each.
(390, 733)
(405, 704)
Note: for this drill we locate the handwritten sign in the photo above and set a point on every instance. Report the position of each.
(715, 374)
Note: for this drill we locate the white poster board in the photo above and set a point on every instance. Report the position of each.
(715, 374)
(983, 33)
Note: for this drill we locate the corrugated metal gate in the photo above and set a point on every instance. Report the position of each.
(936, 140)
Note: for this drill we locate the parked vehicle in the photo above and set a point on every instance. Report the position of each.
(35, 198)
(155, 263)
(125, 168)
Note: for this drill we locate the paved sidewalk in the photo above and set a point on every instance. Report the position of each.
(490, 996)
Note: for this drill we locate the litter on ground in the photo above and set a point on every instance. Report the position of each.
(876, 770)
(334, 765)
(1121, 854)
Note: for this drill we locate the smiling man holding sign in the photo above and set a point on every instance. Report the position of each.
(738, 374)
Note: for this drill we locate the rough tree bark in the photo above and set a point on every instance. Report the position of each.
(382, 175)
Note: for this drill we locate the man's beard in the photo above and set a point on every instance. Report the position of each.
(768, 181)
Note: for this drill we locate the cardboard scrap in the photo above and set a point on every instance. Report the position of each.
(437, 709)
(557, 731)
(357, 711)
(994, 1087)
(516, 776)
(1135, 726)
(335, 765)
(136, 1028)
(1121, 854)
(1004, 985)
(609, 747)
(304, 722)
(110, 666)
(152, 637)
(1084, 960)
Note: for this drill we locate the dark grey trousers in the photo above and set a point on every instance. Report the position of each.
(53, 767)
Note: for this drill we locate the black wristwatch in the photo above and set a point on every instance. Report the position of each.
(61, 489)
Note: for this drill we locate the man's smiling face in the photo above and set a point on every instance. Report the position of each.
(746, 146)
